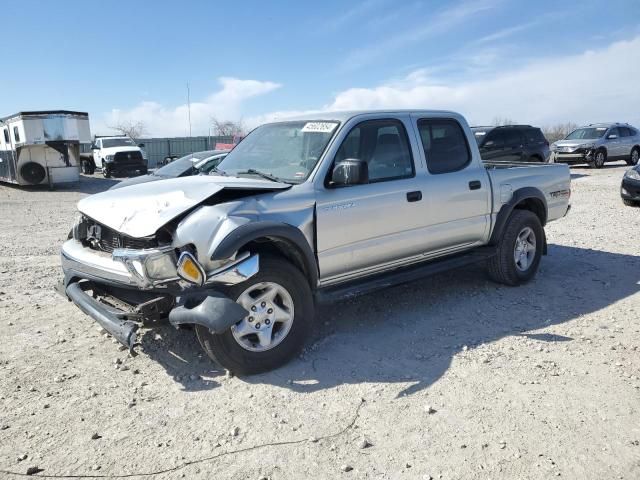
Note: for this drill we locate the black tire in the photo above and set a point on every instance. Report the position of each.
(144, 171)
(226, 351)
(634, 156)
(87, 167)
(502, 267)
(535, 158)
(106, 171)
(599, 159)
(33, 173)
(630, 203)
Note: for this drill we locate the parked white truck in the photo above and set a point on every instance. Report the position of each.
(42, 147)
(114, 154)
(307, 210)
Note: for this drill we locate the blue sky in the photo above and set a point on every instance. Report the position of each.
(259, 60)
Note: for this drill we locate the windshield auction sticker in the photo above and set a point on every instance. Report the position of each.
(319, 127)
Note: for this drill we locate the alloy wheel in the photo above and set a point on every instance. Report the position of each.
(270, 318)
(524, 251)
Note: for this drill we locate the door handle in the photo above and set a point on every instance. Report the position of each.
(414, 196)
(475, 185)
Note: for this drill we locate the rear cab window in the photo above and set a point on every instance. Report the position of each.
(445, 145)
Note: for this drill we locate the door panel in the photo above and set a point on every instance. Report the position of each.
(614, 145)
(362, 226)
(366, 225)
(458, 208)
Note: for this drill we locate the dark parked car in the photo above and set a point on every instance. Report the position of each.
(192, 164)
(630, 188)
(512, 143)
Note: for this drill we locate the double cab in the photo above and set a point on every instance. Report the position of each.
(303, 211)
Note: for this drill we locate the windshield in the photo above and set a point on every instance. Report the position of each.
(118, 142)
(288, 151)
(182, 165)
(205, 166)
(582, 133)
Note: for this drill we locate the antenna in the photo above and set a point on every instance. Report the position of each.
(189, 108)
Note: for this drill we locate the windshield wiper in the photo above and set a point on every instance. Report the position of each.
(253, 171)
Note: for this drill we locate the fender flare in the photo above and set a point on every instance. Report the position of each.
(270, 229)
(518, 196)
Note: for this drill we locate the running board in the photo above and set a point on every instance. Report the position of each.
(399, 276)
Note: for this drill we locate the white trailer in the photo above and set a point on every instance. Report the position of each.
(42, 147)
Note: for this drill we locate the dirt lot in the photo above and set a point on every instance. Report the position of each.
(461, 378)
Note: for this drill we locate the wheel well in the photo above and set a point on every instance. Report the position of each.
(534, 205)
(283, 248)
(537, 157)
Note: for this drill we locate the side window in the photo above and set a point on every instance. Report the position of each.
(16, 134)
(384, 145)
(513, 137)
(535, 135)
(614, 131)
(495, 139)
(6, 135)
(445, 145)
(624, 132)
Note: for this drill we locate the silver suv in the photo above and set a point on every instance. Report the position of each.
(598, 143)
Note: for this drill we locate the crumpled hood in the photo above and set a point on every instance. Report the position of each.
(140, 210)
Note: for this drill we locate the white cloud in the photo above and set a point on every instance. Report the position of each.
(438, 24)
(161, 120)
(593, 86)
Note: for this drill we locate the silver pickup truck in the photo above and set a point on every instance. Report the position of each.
(304, 211)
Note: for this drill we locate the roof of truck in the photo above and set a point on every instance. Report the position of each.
(342, 116)
(40, 113)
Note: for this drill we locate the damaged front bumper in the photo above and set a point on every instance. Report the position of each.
(115, 292)
(586, 155)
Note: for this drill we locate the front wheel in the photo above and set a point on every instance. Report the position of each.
(106, 171)
(87, 167)
(280, 305)
(519, 251)
(600, 158)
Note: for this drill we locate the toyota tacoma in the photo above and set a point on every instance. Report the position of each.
(305, 211)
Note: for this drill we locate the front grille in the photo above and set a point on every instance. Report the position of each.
(122, 159)
(100, 237)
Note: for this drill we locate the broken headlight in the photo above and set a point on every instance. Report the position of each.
(161, 267)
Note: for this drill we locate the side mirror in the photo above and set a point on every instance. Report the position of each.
(613, 136)
(350, 172)
(141, 145)
(94, 146)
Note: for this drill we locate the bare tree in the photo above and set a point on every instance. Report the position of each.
(133, 130)
(500, 121)
(558, 131)
(228, 128)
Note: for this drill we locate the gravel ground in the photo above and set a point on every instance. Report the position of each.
(452, 377)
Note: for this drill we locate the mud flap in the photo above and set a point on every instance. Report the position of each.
(210, 309)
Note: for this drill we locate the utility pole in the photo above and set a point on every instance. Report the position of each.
(189, 108)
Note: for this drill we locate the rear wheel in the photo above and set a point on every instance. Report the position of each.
(519, 250)
(634, 157)
(33, 173)
(280, 306)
